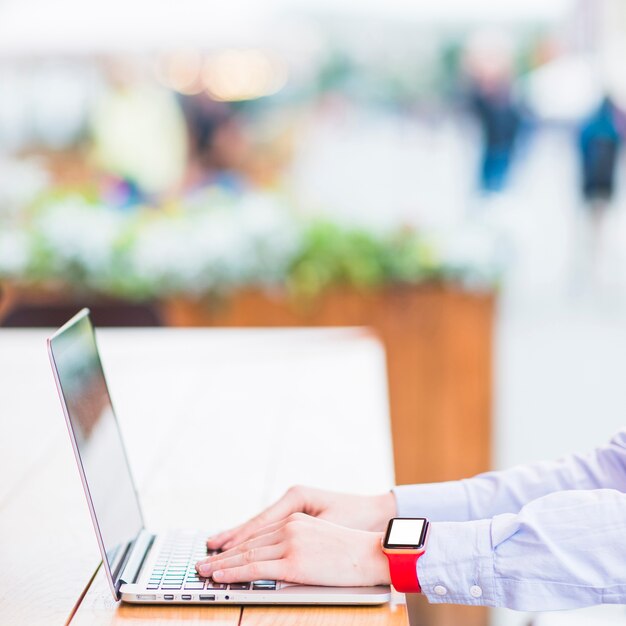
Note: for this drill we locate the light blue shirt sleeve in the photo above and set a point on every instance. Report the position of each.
(509, 490)
(541, 537)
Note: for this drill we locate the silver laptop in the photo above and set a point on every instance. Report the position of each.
(142, 566)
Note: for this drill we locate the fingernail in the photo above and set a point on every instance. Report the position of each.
(218, 574)
(205, 570)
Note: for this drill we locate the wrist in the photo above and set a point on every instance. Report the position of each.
(386, 506)
(380, 566)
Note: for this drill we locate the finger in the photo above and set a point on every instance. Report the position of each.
(254, 555)
(215, 542)
(276, 513)
(265, 530)
(268, 539)
(263, 570)
(286, 505)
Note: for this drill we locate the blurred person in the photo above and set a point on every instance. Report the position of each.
(489, 65)
(600, 141)
(218, 147)
(500, 121)
(599, 145)
(138, 134)
(536, 537)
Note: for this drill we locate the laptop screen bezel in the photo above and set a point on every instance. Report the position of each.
(113, 574)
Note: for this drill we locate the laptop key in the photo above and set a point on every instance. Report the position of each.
(196, 586)
(265, 585)
(239, 586)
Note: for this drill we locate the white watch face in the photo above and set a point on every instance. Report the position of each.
(406, 533)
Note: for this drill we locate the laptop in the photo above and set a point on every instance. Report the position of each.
(142, 566)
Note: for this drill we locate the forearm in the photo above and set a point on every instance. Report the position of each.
(507, 491)
(565, 550)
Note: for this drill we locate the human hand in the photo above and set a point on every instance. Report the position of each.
(354, 511)
(305, 550)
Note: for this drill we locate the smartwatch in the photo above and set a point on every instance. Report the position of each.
(404, 543)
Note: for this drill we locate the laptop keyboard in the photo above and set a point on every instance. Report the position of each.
(175, 567)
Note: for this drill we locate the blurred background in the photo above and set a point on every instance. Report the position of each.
(159, 152)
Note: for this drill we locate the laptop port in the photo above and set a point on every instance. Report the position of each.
(186, 597)
(207, 598)
(168, 596)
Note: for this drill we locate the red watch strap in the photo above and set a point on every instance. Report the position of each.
(403, 570)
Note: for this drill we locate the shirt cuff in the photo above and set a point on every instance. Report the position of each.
(445, 502)
(458, 565)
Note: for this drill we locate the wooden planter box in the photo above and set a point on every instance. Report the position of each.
(51, 305)
(438, 342)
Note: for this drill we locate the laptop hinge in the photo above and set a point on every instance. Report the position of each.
(135, 558)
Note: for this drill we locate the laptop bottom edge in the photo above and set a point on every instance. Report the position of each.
(290, 594)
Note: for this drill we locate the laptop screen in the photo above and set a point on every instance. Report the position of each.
(97, 437)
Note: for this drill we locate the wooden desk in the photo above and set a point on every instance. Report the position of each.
(248, 412)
